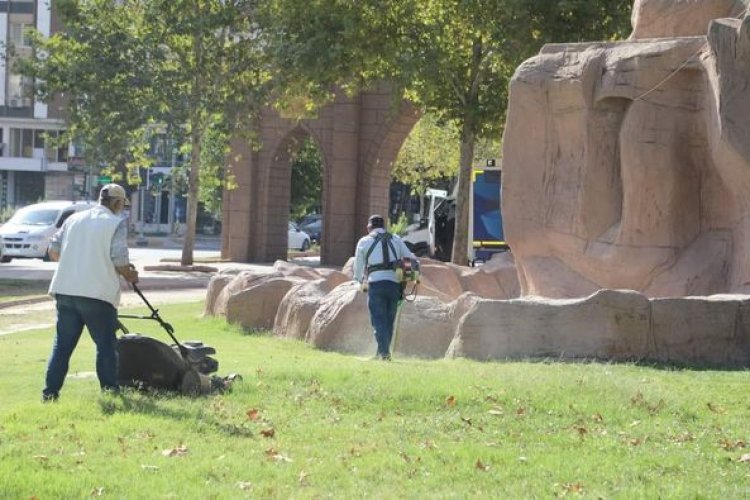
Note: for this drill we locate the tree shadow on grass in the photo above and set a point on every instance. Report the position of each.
(641, 363)
(157, 404)
(145, 403)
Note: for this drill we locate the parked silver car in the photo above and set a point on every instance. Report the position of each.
(27, 234)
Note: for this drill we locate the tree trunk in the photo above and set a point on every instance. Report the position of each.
(461, 230)
(460, 253)
(196, 135)
(192, 197)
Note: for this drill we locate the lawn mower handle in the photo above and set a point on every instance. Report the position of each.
(155, 316)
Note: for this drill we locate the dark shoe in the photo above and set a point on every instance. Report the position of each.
(49, 398)
(385, 357)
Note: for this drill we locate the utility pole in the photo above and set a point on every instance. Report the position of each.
(170, 215)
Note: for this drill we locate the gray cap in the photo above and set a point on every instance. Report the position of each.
(113, 192)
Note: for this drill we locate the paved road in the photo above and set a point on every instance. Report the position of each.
(35, 269)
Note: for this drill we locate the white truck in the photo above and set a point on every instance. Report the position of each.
(433, 236)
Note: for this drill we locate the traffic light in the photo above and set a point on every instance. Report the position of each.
(157, 180)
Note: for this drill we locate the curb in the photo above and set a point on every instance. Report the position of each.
(155, 285)
(24, 302)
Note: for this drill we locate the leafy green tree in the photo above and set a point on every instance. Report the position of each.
(215, 176)
(123, 65)
(430, 153)
(452, 58)
(210, 73)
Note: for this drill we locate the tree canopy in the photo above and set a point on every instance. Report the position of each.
(429, 153)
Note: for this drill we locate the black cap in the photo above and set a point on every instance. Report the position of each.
(376, 221)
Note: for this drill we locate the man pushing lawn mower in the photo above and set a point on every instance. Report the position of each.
(92, 251)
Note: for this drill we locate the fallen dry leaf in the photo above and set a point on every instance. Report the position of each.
(683, 437)
(179, 451)
(253, 414)
(520, 411)
(573, 488)
(98, 491)
(244, 485)
(745, 458)
(481, 466)
(716, 408)
(597, 417)
(730, 445)
(150, 468)
(303, 479)
(466, 420)
(269, 433)
(496, 411)
(450, 401)
(429, 444)
(277, 456)
(635, 441)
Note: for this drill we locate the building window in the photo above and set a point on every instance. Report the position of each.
(19, 91)
(37, 143)
(19, 35)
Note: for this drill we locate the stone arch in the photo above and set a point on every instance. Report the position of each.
(358, 138)
(277, 196)
(381, 153)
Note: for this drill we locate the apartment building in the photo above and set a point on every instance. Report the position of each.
(31, 166)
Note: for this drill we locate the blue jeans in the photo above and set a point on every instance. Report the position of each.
(73, 313)
(382, 300)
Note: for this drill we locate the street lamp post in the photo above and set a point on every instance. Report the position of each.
(141, 241)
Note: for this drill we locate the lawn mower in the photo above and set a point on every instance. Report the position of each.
(147, 363)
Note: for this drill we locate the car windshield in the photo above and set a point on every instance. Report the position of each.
(35, 217)
(309, 219)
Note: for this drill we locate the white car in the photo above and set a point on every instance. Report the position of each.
(27, 234)
(297, 238)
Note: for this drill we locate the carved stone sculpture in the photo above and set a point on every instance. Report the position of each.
(627, 164)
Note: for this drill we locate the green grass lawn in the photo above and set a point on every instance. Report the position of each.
(311, 424)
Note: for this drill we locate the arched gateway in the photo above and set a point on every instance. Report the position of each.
(358, 138)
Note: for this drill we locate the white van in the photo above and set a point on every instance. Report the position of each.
(27, 234)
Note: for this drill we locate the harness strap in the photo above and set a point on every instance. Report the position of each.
(385, 240)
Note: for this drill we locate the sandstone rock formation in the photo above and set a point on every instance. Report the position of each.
(325, 307)
(627, 165)
(622, 325)
(619, 325)
(677, 18)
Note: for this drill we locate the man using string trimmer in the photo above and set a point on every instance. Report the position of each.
(379, 262)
